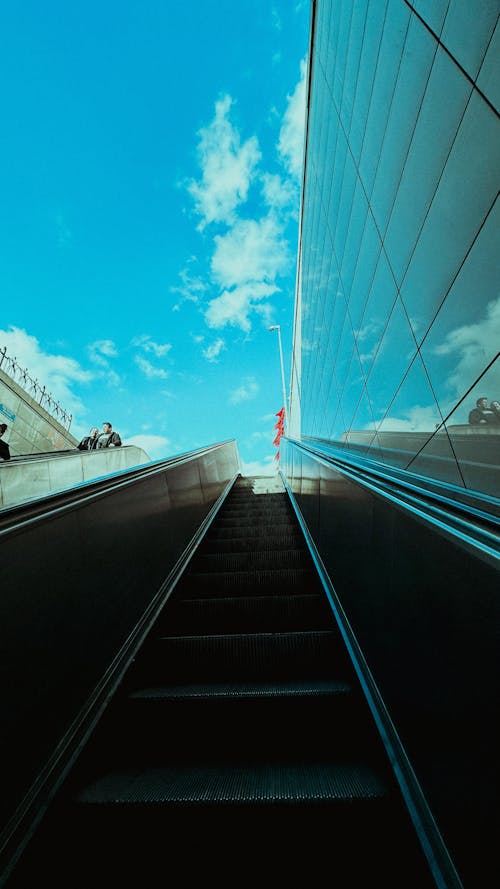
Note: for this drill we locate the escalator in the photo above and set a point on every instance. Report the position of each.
(239, 747)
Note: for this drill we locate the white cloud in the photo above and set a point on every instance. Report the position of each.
(154, 445)
(149, 370)
(255, 468)
(276, 19)
(291, 139)
(192, 288)
(148, 345)
(414, 419)
(279, 193)
(101, 350)
(248, 390)
(251, 251)
(211, 353)
(227, 167)
(57, 373)
(234, 306)
(475, 346)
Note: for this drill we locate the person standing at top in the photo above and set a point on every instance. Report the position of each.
(89, 441)
(108, 438)
(4, 448)
(481, 414)
(495, 407)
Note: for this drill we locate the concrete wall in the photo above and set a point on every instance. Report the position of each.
(25, 479)
(31, 430)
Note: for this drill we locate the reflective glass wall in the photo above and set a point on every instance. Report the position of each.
(397, 326)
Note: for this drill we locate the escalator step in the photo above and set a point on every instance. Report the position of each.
(250, 690)
(249, 614)
(245, 657)
(240, 529)
(251, 561)
(256, 544)
(261, 783)
(219, 582)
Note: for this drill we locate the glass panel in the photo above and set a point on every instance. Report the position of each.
(331, 54)
(364, 85)
(353, 390)
(437, 459)
(378, 309)
(365, 269)
(392, 356)
(322, 28)
(337, 178)
(346, 348)
(488, 80)
(442, 109)
(339, 427)
(393, 41)
(433, 12)
(410, 422)
(345, 206)
(467, 31)
(339, 315)
(354, 235)
(362, 429)
(356, 39)
(410, 88)
(465, 336)
(462, 201)
(332, 404)
(321, 123)
(477, 447)
(341, 55)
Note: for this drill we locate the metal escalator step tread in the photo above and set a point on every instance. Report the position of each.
(299, 611)
(250, 561)
(267, 517)
(250, 690)
(294, 604)
(309, 638)
(264, 576)
(303, 650)
(256, 512)
(256, 545)
(240, 530)
(268, 783)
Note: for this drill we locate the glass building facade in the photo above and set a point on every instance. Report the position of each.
(397, 326)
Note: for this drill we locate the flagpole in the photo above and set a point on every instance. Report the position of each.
(278, 328)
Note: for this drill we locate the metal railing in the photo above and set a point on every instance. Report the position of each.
(39, 393)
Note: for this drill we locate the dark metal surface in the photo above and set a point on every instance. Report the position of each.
(422, 600)
(238, 743)
(79, 575)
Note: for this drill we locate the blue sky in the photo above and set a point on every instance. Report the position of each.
(151, 157)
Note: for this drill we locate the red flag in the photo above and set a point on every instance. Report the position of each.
(277, 455)
(280, 424)
(277, 440)
(281, 413)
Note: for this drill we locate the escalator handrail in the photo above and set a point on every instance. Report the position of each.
(432, 843)
(18, 516)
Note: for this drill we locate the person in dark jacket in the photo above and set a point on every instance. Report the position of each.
(4, 448)
(481, 414)
(88, 442)
(108, 438)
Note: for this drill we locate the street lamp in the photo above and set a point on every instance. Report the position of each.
(277, 327)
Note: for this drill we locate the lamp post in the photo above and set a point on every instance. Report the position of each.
(278, 328)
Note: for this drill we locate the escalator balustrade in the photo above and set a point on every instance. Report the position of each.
(239, 746)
